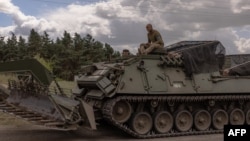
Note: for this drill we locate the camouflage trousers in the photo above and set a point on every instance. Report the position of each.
(147, 48)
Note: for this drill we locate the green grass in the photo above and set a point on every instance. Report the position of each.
(4, 77)
(46, 64)
(66, 86)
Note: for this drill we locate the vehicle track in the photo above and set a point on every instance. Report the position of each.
(109, 105)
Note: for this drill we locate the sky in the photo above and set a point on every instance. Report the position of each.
(121, 23)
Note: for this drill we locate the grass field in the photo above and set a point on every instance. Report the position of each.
(7, 119)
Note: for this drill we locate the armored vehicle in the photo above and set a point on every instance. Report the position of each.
(183, 89)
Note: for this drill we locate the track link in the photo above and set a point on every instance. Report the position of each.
(108, 107)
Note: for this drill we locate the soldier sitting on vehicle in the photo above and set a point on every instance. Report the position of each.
(154, 41)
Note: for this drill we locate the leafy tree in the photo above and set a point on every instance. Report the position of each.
(22, 48)
(116, 54)
(78, 42)
(2, 46)
(67, 40)
(64, 56)
(46, 51)
(10, 50)
(34, 43)
(2, 43)
(109, 51)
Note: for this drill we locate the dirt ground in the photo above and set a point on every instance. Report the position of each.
(8, 119)
(105, 133)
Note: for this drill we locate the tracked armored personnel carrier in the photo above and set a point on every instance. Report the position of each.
(181, 90)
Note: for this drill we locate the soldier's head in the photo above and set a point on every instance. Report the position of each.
(149, 27)
(125, 52)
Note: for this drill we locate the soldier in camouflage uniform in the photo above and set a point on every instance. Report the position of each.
(154, 41)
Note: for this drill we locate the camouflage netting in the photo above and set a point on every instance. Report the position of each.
(201, 57)
(238, 59)
(240, 70)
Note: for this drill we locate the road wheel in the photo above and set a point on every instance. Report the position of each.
(141, 123)
(237, 117)
(220, 118)
(183, 120)
(121, 111)
(248, 117)
(163, 122)
(202, 120)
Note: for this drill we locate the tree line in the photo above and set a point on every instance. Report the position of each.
(64, 55)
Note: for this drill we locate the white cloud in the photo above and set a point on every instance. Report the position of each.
(239, 6)
(243, 44)
(6, 30)
(23, 23)
(7, 7)
(243, 39)
(122, 22)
